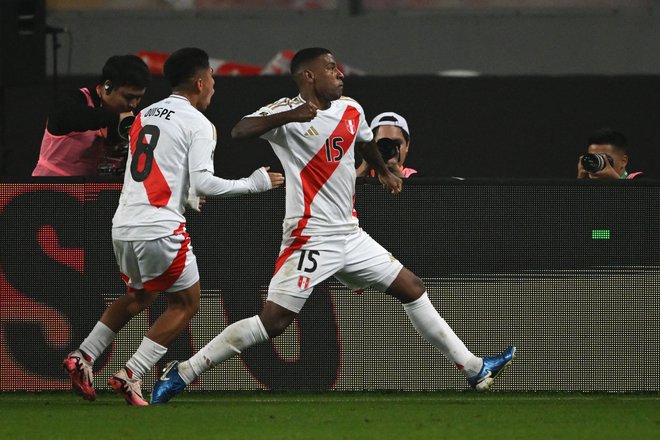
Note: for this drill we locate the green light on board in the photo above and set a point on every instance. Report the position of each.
(600, 234)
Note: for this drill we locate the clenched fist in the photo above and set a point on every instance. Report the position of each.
(303, 113)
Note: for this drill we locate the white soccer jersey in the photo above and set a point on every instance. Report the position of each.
(168, 140)
(319, 163)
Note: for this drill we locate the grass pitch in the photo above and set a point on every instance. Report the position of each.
(335, 415)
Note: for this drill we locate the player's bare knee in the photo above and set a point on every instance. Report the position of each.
(417, 285)
(407, 287)
(276, 323)
(192, 305)
(275, 327)
(190, 308)
(276, 318)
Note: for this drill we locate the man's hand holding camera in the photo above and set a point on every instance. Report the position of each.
(596, 166)
(383, 157)
(389, 150)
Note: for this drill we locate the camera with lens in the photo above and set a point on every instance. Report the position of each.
(124, 127)
(388, 148)
(113, 162)
(592, 163)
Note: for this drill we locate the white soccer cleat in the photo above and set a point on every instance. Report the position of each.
(130, 389)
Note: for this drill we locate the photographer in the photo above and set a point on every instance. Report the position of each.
(86, 131)
(606, 158)
(393, 139)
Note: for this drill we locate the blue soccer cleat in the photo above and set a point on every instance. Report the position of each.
(493, 366)
(168, 385)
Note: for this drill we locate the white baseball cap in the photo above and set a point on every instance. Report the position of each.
(390, 118)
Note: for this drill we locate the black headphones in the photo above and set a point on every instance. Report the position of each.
(107, 87)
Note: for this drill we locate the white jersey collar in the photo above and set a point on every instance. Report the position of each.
(174, 95)
(303, 100)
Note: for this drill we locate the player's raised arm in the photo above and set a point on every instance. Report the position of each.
(255, 126)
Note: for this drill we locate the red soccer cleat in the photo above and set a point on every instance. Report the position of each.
(80, 373)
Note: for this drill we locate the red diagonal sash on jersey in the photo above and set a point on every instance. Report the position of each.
(316, 173)
(158, 191)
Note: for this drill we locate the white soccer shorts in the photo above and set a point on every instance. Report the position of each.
(356, 260)
(163, 265)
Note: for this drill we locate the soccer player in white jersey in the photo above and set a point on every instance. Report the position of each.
(171, 152)
(314, 135)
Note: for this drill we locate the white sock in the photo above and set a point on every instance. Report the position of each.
(233, 340)
(98, 340)
(146, 356)
(434, 329)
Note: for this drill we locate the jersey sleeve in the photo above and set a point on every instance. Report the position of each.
(282, 105)
(269, 135)
(204, 183)
(263, 111)
(202, 147)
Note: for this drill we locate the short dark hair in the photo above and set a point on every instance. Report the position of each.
(126, 70)
(405, 134)
(304, 55)
(607, 136)
(183, 64)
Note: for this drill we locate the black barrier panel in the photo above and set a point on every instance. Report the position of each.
(568, 271)
(482, 127)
